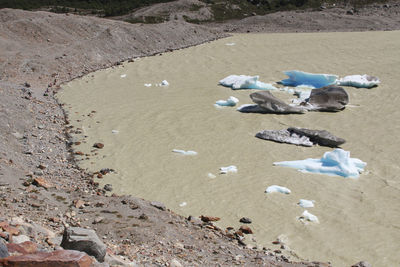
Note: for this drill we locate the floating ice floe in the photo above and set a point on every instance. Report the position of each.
(359, 81)
(123, 75)
(231, 168)
(304, 203)
(210, 175)
(277, 189)
(164, 83)
(300, 78)
(245, 82)
(336, 162)
(184, 152)
(147, 84)
(232, 101)
(230, 44)
(183, 204)
(306, 216)
(115, 131)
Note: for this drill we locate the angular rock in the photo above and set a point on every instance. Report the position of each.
(41, 182)
(284, 136)
(245, 220)
(270, 104)
(85, 240)
(320, 137)
(209, 218)
(3, 250)
(331, 98)
(26, 247)
(59, 258)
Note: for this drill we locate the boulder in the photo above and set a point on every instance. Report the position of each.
(85, 240)
(329, 98)
(268, 103)
(320, 137)
(3, 250)
(60, 258)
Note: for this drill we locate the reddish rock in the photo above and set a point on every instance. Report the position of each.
(41, 182)
(79, 153)
(78, 203)
(246, 229)
(9, 229)
(209, 218)
(26, 247)
(59, 258)
(98, 145)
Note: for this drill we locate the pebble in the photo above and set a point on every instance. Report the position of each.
(245, 220)
(98, 145)
(245, 229)
(209, 218)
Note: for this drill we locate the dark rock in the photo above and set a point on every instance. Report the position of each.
(3, 250)
(329, 98)
(26, 84)
(245, 220)
(362, 264)
(158, 205)
(108, 187)
(98, 145)
(270, 104)
(284, 136)
(85, 240)
(320, 137)
(64, 258)
(245, 229)
(350, 12)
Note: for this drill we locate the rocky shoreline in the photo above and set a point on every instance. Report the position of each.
(42, 191)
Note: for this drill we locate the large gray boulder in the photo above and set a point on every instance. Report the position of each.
(268, 103)
(320, 137)
(301, 137)
(329, 98)
(3, 250)
(85, 240)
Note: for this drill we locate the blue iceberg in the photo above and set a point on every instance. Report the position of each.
(359, 81)
(336, 162)
(231, 102)
(300, 78)
(245, 82)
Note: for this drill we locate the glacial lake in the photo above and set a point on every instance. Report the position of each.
(359, 219)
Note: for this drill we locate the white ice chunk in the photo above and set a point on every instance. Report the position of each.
(123, 75)
(186, 153)
(245, 82)
(210, 175)
(183, 204)
(306, 203)
(165, 83)
(232, 101)
(115, 131)
(300, 78)
(230, 44)
(309, 217)
(277, 189)
(359, 81)
(147, 84)
(336, 162)
(231, 168)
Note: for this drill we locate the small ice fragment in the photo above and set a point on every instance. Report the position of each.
(115, 131)
(165, 83)
(306, 203)
(224, 170)
(123, 75)
(232, 101)
(186, 153)
(359, 81)
(183, 204)
(147, 84)
(308, 217)
(245, 82)
(300, 78)
(210, 175)
(336, 162)
(278, 189)
(230, 44)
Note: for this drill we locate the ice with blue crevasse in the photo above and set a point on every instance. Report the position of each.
(359, 81)
(306, 216)
(184, 152)
(301, 78)
(277, 189)
(304, 203)
(335, 163)
(245, 82)
(230, 102)
(224, 170)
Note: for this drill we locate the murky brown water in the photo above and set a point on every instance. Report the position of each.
(359, 218)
